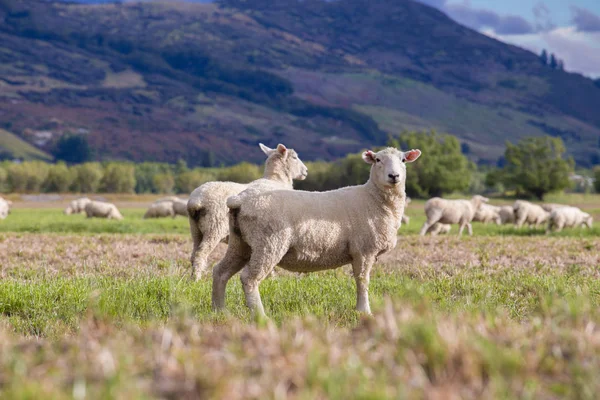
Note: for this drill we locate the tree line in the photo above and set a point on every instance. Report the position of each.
(531, 168)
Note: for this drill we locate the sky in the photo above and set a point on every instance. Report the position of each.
(568, 28)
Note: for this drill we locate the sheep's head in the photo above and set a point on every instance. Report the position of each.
(387, 166)
(69, 210)
(478, 200)
(284, 161)
(588, 220)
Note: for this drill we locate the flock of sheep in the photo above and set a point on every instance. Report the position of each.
(266, 223)
(442, 213)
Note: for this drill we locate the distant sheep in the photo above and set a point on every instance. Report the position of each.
(100, 209)
(406, 218)
(5, 206)
(207, 207)
(459, 212)
(160, 209)
(549, 207)
(180, 207)
(77, 206)
(507, 215)
(311, 231)
(532, 214)
(568, 217)
(439, 229)
(488, 213)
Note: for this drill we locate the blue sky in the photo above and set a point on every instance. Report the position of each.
(568, 28)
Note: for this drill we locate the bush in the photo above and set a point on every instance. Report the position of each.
(144, 176)
(118, 178)
(442, 170)
(189, 180)
(60, 178)
(27, 176)
(597, 178)
(3, 180)
(87, 177)
(163, 183)
(241, 173)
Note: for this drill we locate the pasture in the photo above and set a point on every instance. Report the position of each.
(107, 309)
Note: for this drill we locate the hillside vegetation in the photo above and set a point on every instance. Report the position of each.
(206, 82)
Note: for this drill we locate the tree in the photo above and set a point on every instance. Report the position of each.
(561, 65)
(535, 166)
(163, 183)
(544, 57)
(553, 63)
(442, 170)
(187, 181)
(60, 178)
(73, 149)
(118, 178)
(87, 177)
(597, 178)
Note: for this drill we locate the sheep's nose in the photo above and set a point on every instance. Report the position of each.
(394, 177)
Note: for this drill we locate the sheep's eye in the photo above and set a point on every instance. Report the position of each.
(378, 160)
(295, 157)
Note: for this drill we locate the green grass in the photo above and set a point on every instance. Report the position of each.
(19, 148)
(54, 221)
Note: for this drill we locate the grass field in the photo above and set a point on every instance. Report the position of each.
(106, 309)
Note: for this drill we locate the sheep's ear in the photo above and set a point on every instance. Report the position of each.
(411, 155)
(369, 157)
(265, 149)
(281, 149)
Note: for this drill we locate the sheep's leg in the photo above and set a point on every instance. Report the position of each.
(361, 267)
(470, 228)
(424, 229)
(200, 256)
(262, 262)
(234, 260)
(462, 227)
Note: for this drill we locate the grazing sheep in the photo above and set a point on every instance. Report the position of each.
(207, 208)
(180, 208)
(568, 217)
(549, 207)
(161, 209)
(5, 206)
(168, 198)
(77, 206)
(406, 218)
(439, 229)
(507, 214)
(452, 212)
(100, 209)
(488, 213)
(532, 214)
(312, 231)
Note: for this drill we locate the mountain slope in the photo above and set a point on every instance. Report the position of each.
(203, 82)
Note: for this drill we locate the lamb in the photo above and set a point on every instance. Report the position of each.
(568, 217)
(507, 214)
(208, 210)
(100, 209)
(439, 229)
(312, 231)
(488, 213)
(160, 209)
(452, 212)
(5, 206)
(77, 206)
(532, 214)
(549, 207)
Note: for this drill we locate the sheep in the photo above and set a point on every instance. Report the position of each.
(100, 209)
(311, 231)
(168, 198)
(488, 213)
(549, 207)
(439, 229)
(452, 212)
(160, 209)
(5, 206)
(77, 206)
(568, 217)
(180, 208)
(207, 209)
(406, 218)
(532, 214)
(507, 214)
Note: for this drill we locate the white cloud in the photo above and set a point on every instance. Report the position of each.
(579, 50)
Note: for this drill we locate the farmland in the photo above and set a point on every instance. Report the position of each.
(106, 309)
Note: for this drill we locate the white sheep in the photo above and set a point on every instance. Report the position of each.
(180, 207)
(507, 214)
(312, 231)
(160, 209)
(100, 209)
(452, 212)
(5, 206)
(77, 206)
(532, 214)
(568, 217)
(549, 207)
(207, 208)
(439, 229)
(488, 213)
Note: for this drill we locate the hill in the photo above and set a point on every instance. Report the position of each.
(206, 82)
(12, 146)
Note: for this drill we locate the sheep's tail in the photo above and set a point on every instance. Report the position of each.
(234, 202)
(195, 209)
